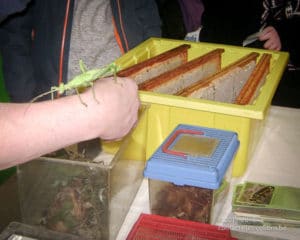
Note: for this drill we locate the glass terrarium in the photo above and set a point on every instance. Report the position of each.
(68, 191)
(21, 231)
(189, 174)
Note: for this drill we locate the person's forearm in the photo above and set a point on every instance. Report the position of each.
(28, 131)
(16, 50)
(31, 130)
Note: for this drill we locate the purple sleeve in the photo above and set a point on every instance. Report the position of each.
(191, 12)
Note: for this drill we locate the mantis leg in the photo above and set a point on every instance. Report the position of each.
(82, 66)
(44, 94)
(115, 70)
(78, 94)
(94, 94)
(115, 76)
(53, 89)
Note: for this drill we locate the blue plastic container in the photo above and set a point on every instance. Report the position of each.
(189, 174)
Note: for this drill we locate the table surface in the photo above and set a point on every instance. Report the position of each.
(275, 161)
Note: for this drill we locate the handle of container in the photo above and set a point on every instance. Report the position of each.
(165, 147)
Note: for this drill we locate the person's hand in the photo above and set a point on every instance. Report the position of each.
(271, 38)
(116, 111)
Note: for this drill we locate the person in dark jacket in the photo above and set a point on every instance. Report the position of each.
(31, 130)
(42, 45)
(230, 22)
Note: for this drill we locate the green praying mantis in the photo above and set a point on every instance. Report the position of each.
(83, 80)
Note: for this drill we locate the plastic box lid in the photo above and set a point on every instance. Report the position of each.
(194, 156)
(151, 226)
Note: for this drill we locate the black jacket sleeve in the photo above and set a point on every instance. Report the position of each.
(15, 48)
(8, 7)
(290, 40)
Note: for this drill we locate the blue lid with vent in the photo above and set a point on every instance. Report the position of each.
(194, 156)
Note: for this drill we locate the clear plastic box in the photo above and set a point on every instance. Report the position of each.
(167, 111)
(21, 231)
(84, 197)
(189, 174)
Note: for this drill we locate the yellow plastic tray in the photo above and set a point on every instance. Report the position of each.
(166, 111)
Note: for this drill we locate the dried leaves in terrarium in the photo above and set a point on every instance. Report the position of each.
(79, 207)
(184, 202)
